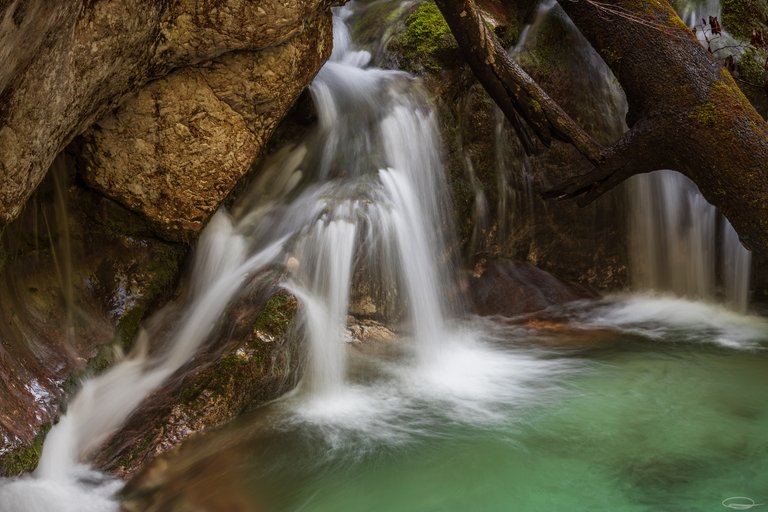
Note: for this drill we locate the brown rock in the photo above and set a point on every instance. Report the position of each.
(509, 288)
(175, 150)
(64, 65)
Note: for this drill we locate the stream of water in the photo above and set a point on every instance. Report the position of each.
(636, 404)
(628, 403)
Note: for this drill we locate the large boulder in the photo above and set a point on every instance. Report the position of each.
(64, 65)
(176, 149)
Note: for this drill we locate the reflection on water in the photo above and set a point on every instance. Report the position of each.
(663, 411)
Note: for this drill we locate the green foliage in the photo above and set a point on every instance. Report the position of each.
(426, 37)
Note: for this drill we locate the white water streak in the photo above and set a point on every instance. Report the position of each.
(104, 402)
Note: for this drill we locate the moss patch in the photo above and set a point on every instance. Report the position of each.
(25, 459)
(741, 16)
(277, 315)
(427, 39)
(751, 76)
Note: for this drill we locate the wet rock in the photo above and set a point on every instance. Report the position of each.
(510, 288)
(365, 330)
(80, 274)
(255, 359)
(64, 66)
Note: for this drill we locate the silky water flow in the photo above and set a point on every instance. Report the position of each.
(458, 413)
(318, 206)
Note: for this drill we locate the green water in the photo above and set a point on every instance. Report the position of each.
(676, 431)
(631, 424)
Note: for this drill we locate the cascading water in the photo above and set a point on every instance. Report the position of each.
(674, 238)
(676, 244)
(344, 194)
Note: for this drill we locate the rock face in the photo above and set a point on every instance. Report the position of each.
(176, 149)
(78, 273)
(65, 65)
(254, 359)
(510, 288)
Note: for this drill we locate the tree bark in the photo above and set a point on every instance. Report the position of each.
(686, 113)
(516, 93)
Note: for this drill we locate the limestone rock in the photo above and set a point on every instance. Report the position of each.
(65, 64)
(175, 150)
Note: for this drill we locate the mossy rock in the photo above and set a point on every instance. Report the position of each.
(741, 16)
(256, 361)
(21, 461)
(427, 42)
(751, 76)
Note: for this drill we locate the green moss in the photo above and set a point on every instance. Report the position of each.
(723, 99)
(507, 34)
(25, 459)
(426, 38)
(751, 73)
(277, 315)
(741, 16)
(707, 114)
(751, 66)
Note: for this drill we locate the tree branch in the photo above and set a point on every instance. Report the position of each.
(516, 93)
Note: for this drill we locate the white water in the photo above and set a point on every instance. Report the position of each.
(366, 184)
(344, 195)
(676, 245)
(105, 402)
(322, 284)
(672, 236)
(674, 241)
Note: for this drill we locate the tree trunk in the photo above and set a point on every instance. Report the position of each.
(686, 113)
(516, 93)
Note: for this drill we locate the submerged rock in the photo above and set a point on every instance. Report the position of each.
(510, 288)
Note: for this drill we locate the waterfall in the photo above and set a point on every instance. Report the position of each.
(693, 12)
(672, 236)
(322, 284)
(674, 239)
(104, 402)
(675, 242)
(365, 184)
